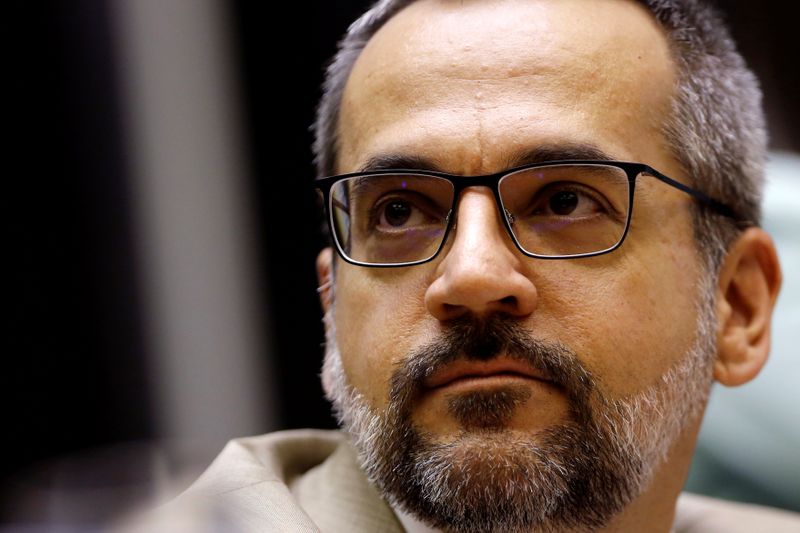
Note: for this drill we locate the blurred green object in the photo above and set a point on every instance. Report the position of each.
(749, 445)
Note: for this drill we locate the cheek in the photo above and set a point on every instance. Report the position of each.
(628, 320)
(380, 316)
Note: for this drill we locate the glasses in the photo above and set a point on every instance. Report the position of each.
(553, 210)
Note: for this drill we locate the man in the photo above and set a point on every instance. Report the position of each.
(545, 222)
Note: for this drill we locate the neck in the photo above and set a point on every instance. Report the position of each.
(654, 509)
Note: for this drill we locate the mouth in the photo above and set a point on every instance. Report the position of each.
(501, 370)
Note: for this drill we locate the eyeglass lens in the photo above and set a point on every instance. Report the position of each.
(557, 210)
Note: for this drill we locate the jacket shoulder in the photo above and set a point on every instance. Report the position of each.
(274, 457)
(246, 488)
(701, 514)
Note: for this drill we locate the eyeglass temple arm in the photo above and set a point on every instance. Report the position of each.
(716, 205)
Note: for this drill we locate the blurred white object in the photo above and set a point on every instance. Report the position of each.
(207, 329)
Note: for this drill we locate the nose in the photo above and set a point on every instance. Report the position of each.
(481, 271)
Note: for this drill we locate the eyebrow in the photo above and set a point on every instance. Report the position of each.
(538, 154)
(398, 161)
(558, 152)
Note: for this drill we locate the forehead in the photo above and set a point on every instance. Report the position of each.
(467, 83)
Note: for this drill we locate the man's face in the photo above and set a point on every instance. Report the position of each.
(471, 86)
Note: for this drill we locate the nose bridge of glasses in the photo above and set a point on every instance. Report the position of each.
(477, 209)
(488, 183)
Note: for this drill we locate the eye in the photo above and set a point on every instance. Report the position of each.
(568, 200)
(564, 202)
(402, 212)
(396, 212)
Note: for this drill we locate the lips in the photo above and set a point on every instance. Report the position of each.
(465, 369)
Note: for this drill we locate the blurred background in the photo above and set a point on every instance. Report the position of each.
(162, 288)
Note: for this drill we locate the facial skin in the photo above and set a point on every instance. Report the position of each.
(470, 86)
(437, 82)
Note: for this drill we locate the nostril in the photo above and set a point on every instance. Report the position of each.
(509, 300)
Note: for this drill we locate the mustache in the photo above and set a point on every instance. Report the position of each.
(474, 338)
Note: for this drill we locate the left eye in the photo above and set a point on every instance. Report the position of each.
(567, 200)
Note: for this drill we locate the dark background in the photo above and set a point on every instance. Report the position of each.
(76, 373)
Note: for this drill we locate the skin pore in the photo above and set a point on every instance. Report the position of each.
(469, 86)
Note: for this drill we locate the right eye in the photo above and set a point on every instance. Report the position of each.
(401, 212)
(396, 212)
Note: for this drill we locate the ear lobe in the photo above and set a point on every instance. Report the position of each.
(748, 286)
(325, 278)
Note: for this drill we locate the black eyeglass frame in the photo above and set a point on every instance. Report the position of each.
(459, 183)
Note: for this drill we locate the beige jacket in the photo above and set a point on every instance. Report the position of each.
(309, 480)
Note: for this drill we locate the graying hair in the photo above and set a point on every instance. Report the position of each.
(639, 431)
(716, 129)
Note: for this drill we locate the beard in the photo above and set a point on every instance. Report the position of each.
(577, 474)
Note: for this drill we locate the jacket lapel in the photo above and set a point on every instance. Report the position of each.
(338, 497)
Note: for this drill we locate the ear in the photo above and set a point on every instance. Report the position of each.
(748, 286)
(325, 278)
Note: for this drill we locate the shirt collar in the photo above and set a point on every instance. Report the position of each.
(411, 523)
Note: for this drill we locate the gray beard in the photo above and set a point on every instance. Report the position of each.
(575, 475)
